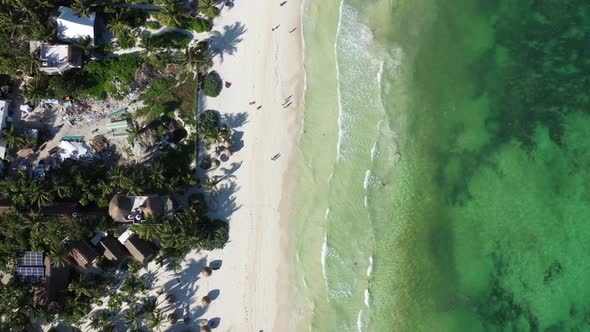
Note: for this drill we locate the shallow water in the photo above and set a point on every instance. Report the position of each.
(443, 179)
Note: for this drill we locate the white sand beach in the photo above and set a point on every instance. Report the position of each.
(263, 66)
(250, 289)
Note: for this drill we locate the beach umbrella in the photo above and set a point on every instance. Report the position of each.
(206, 271)
(206, 300)
(172, 318)
(170, 298)
(205, 328)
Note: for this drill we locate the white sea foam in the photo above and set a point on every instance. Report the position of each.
(367, 297)
(370, 268)
(323, 259)
(367, 179)
(340, 112)
(359, 321)
(373, 151)
(327, 214)
(366, 201)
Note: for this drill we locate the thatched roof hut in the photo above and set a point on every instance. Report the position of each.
(206, 300)
(206, 271)
(113, 249)
(119, 207)
(82, 253)
(153, 206)
(172, 318)
(140, 249)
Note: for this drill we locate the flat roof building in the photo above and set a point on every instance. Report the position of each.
(72, 28)
(57, 59)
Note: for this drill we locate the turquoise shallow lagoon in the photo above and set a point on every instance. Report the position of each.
(443, 179)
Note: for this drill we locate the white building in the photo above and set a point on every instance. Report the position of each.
(4, 107)
(74, 150)
(72, 28)
(56, 59)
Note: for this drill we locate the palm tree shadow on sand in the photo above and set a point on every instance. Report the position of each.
(226, 41)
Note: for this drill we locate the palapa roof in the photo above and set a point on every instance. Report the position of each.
(113, 249)
(153, 205)
(122, 207)
(82, 253)
(139, 249)
(119, 207)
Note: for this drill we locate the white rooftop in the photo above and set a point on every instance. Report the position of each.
(125, 236)
(73, 150)
(4, 105)
(71, 27)
(54, 55)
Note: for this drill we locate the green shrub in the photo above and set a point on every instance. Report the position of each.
(212, 84)
(101, 73)
(217, 236)
(154, 25)
(201, 25)
(208, 120)
(171, 39)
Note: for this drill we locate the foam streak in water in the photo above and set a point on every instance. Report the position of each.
(340, 112)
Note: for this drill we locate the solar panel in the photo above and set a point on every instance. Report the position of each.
(31, 258)
(31, 274)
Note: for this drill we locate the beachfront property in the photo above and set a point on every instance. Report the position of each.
(135, 209)
(82, 253)
(56, 59)
(72, 28)
(141, 250)
(4, 119)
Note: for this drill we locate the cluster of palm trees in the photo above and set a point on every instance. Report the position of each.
(26, 19)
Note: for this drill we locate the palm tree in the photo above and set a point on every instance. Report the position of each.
(147, 230)
(212, 183)
(10, 24)
(79, 290)
(60, 189)
(86, 45)
(83, 7)
(58, 254)
(134, 131)
(36, 89)
(14, 139)
(155, 320)
(38, 195)
(149, 306)
(207, 8)
(117, 26)
(149, 47)
(170, 15)
(195, 60)
(131, 317)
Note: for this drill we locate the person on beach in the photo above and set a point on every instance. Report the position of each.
(293, 30)
(227, 84)
(252, 103)
(259, 107)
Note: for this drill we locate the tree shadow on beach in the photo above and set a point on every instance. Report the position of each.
(223, 201)
(233, 167)
(237, 141)
(235, 120)
(226, 41)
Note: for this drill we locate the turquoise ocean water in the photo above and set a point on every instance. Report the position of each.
(444, 166)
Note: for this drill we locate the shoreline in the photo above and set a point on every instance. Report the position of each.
(265, 66)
